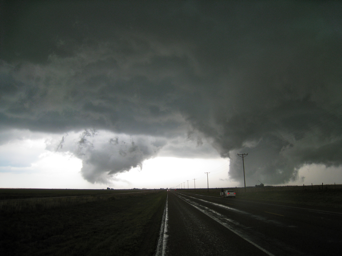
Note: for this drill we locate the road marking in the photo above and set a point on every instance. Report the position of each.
(278, 205)
(257, 217)
(226, 225)
(275, 214)
(162, 241)
(247, 233)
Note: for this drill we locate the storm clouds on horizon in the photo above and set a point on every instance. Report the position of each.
(121, 82)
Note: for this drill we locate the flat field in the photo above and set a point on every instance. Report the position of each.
(80, 222)
(320, 197)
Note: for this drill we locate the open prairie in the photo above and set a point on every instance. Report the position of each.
(116, 222)
(80, 222)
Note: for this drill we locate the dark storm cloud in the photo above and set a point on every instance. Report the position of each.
(104, 153)
(110, 159)
(261, 77)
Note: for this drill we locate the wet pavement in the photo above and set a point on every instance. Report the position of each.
(199, 225)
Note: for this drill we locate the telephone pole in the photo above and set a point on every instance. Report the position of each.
(188, 183)
(243, 166)
(194, 184)
(207, 180)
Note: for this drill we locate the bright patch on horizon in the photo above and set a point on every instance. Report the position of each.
(167, 172)
(26, 164)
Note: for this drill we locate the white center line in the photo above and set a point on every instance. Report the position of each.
(162, 241)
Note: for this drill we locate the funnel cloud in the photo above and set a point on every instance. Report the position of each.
(122, 82)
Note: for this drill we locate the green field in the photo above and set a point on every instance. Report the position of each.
(80, 222)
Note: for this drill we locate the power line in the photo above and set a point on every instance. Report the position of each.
(207, 180)
(243, 166)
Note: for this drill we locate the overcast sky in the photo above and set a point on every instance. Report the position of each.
(154, 93)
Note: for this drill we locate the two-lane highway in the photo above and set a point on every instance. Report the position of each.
(200, 225)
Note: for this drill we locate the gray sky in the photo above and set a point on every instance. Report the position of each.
(118, 82)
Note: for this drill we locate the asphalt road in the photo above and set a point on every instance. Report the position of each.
(200, 225)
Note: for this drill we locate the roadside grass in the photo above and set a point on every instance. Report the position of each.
(41, 193)
(12, 200)
(318, 197)
(111, 226)
(314, 198)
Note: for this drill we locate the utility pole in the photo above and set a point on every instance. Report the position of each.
(194, 184)
(188, 183)
(243, 166)
(207, 180)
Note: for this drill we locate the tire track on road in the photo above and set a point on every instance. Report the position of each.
(270, 246)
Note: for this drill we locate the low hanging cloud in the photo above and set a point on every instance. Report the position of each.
(104, 153)
(260, 78)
